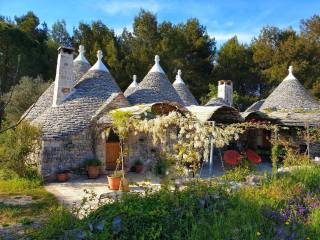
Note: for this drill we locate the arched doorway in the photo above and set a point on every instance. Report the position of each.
(112, 149)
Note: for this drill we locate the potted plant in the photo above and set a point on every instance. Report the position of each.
(114, 180)
(63, 175)
(138, 166)
(93, 167)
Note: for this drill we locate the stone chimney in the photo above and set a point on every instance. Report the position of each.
(225, 90)
(64, 81)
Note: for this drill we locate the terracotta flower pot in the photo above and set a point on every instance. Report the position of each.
(114, 182)
(62, 177)
(139, 168)
(93, 171)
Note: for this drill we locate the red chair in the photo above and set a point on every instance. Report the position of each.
(253, 157)
(231, 157)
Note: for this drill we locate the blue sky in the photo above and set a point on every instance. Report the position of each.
(223, 18)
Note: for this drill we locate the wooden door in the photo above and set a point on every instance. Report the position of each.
(112, 154)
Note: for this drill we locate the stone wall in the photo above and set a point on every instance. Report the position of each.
(67, 153)
(315, 150)
(100, 150)
(141, 147)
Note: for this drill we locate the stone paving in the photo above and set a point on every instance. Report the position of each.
(73, 191)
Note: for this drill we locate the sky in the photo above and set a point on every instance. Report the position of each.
(222, 18)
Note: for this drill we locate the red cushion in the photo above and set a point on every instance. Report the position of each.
(231, 157)
(253, 157)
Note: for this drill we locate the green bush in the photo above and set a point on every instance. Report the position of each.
(309, 176)
(238, 174)
(16, 145)
(59, 220)
(7, 174)
(315, 221)
(25, 93)
(92, 162)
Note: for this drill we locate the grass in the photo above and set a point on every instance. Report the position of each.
(25, 214)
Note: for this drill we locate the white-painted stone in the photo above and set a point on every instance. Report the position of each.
(290, 75)
(64, 80)
(99, 66)
(225, 90)
(178, 78)
(81, 57)
(134, 83)
(156, 67)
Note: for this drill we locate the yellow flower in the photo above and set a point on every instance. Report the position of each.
(287, 222)
(258, 233)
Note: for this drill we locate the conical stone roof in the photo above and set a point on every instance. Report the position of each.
(215, 102)
(76, 111)
(183, 91)
(155, 87)
(290, 95)
(132, 87)
(80, 65)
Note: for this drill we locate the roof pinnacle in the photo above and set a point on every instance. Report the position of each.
(156, 67)
(99, 64)
(178, 77)
(290, 75)
(81, 57)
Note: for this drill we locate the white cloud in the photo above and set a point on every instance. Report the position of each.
(126, 7)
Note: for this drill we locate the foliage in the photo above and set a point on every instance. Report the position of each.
(275, 155)
(164, 165)
(15, 149)
(27, 38)
(138, 162)
(309, 135)
(117, 174)
(238, 174)
(293, 158)
(59, 220)
(36, 211)
(120, 123)
(235, 63)
(60, 35)
(286, 207)
(23, 95)
(92, 162)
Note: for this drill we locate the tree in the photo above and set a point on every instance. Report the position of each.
(310, 28)
(23, 96)
(235, 63)
(274, 50)
(60, 35)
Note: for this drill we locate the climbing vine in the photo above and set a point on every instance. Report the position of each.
(183, 137)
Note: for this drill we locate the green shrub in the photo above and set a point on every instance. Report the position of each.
(92, 162)
(16, 145)
(238, 174)
(315, 221)
(7, 174)
(309, 176)
(59, 220)
(292, 158)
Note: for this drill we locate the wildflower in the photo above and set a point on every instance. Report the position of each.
(258, 234)
(287, 222)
